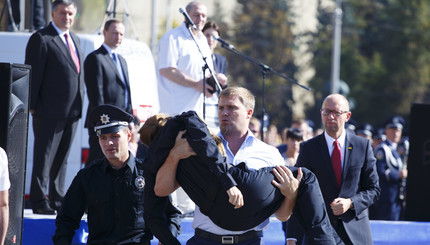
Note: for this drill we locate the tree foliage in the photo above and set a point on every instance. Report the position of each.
(262, 31)
(384, 55)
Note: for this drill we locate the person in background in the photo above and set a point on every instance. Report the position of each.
(210, 30)
(180, 85)
(299, 124)
(345, 167)
(180, 66)
(378, 137)
(107, 80)
(391, 172)
(366, 131)
(272, 136)
(133, 145)
(4, 195)
(57, 91)
(110, 191)
(294, 138)
(255, 127)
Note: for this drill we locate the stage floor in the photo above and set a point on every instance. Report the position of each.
(38, 229)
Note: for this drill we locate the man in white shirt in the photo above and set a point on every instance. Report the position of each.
(236, 106)
(180, 86)
(180, 65)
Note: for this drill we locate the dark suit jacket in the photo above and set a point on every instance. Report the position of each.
(56, 86)
(103, 81)
(220, 64)
(359, 181)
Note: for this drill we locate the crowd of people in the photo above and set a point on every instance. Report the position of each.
(202, 155)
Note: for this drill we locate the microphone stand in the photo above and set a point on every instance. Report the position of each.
(205, 66)
(264, 70)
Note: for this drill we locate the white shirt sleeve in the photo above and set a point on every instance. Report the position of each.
(4, 171)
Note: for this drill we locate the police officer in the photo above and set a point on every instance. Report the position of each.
(365, 131)
(391, 172)
(111, 190)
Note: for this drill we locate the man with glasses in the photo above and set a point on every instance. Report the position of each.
(345, 167)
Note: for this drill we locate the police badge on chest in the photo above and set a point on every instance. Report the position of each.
(139, 182)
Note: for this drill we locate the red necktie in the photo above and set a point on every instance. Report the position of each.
(72, 52)
(336, 160)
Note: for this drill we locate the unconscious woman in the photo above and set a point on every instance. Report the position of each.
(207, 178)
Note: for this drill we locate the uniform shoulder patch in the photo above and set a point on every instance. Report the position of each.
(380, 154)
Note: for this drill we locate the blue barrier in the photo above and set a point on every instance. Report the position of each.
(38, 229)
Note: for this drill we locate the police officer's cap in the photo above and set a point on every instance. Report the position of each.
(107, 119)
(395, 122)
(365, 129)
(380, 134)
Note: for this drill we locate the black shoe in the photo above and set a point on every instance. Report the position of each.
(44, 210)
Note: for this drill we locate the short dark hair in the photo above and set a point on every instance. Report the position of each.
(64, 2)
(110, 22)
(213, 25)
(295, 134)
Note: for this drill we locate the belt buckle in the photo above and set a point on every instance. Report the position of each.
(227, 239)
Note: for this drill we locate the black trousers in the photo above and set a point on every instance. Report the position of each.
(52, 141)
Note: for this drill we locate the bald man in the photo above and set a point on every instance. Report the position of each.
(345, 168)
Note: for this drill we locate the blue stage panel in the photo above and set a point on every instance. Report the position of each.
(39, 229)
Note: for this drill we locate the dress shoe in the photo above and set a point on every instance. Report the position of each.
(44, 210)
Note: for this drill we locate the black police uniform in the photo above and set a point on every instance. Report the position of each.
(207, 176)
(113, 199)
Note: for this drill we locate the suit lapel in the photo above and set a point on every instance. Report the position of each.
(123, 67)
(63, 47)
(109, 60)
(75, 40)
(347, 158)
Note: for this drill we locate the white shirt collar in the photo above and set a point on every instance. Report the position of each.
(330, 140)
(59, 31)
(109, 49)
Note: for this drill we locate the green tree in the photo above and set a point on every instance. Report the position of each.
(262, 31)
(384, 55)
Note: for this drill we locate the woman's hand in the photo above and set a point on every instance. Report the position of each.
(235, 197)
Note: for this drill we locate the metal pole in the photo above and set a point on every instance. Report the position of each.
(169, 16)
(335, 69)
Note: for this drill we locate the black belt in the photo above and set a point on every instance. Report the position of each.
(228, 239)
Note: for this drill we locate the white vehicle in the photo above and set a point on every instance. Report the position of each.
(143, 86)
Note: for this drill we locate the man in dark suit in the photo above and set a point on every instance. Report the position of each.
(107, 81)
(345, 167)
(57, 89)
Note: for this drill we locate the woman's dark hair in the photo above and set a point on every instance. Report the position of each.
(295, 134)
(211, 24)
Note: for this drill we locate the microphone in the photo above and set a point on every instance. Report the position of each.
(223, 42)
(188, 20)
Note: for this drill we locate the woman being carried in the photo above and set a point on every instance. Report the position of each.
(206, 178)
